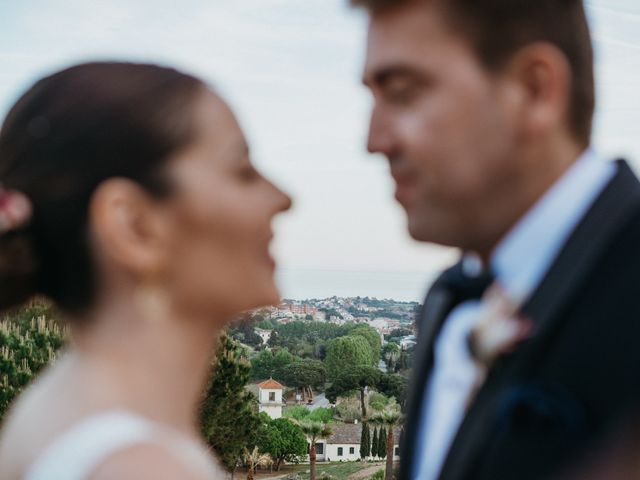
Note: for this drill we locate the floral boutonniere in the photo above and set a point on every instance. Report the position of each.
(500, 328)
(15, 210)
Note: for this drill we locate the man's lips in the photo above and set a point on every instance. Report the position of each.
(269, 257)
(404, 185)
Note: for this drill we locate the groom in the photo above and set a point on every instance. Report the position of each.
(528, 348)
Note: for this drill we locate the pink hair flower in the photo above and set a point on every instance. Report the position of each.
(15, 210)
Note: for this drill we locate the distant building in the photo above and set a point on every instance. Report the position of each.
(385, 325)
(344, 443)
(270, 398)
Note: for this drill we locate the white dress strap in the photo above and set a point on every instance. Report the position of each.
(75, 454)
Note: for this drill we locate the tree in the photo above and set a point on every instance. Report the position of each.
(284, 441)
(390, 418)
(382, 446)
(354, 378)
(393, 385)
(403, 362)
(314, 432)
(365, 441)
(390, 354)
(264, 324)
(270, 364)
(378, 401)
(274, 339)
(374, 443)
(399, 333)
(349, 350)
(229, 423)
(372, 336)
(253, 459)
(245, 331)
(304, 374)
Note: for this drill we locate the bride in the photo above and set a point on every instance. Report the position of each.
(128, 198)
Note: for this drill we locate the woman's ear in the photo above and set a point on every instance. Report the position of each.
(542, 75)
(128, 226)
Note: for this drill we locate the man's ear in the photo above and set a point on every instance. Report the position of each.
(128, 226)
(541, 73)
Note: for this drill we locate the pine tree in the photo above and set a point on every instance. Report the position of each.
(365, 441)
(382, 442)
(374, 443)
(229, 422)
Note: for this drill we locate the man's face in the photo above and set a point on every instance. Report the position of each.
(443, 122)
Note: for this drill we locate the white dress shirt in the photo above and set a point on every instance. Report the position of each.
(519, 263)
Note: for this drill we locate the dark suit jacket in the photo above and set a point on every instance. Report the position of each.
(544, 405)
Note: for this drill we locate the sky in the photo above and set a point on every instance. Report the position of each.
(291, 71)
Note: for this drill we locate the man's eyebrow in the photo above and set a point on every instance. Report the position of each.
(383, 75)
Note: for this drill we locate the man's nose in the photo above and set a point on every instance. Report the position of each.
(380, 138)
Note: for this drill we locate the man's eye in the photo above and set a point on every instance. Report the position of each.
(401, 95)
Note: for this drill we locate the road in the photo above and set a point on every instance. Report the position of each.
(319, 401)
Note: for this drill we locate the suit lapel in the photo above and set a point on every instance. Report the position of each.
(608, 215)
(435, 310)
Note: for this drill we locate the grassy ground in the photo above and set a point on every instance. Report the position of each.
(338, 470)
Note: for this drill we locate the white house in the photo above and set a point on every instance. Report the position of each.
(344, 443)
(270, 398)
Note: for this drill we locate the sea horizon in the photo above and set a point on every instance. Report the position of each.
(309, 283)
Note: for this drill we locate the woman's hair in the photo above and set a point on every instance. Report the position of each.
(67, 134)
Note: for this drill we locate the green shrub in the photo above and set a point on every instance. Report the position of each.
(379, 475)
(297, 412)
(29, 341)
(323, 415)
(378, 401)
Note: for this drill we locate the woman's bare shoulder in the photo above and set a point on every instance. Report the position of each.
(37, 416)
(147, 460)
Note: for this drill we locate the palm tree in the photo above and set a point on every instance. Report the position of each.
(389, 417)
(314, 432)
(254, 459)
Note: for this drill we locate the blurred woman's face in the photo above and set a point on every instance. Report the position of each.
(220, 218)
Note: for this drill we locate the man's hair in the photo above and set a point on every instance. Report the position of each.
(497, 29)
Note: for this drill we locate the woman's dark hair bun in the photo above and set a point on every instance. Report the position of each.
(18, 268)
(66, 135)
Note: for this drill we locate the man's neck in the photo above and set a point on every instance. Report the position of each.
(545, 166)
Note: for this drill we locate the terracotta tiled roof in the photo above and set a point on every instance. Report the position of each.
(270, 384)
(349, 433)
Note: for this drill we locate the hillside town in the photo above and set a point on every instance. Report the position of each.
(383, 315)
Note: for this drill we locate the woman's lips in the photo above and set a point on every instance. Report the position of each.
(271, 262)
